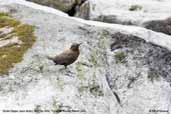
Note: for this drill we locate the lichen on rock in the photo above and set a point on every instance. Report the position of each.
(15, 42)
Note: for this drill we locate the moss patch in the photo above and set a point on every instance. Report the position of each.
(7, 21)
(12, 53)
(3, 14)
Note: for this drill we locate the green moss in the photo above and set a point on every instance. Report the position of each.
(2, 14)
(8, 21)
(135, 8)
(24, 30)
(7, 36)
(13, 53)
(2, 36)
(120, 57)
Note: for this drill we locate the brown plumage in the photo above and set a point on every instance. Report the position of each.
(68, 56)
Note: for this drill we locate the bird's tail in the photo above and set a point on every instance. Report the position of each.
(50, 58)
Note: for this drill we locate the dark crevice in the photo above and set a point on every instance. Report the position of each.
(72, 11)
(110, 86)
(76, 6)
(117, 98)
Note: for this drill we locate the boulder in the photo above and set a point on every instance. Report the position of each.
(163, 26)
(82, 11)
(78, 8)
(139, 13)
(63, 5)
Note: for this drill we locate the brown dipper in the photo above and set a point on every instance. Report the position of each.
(68, 56)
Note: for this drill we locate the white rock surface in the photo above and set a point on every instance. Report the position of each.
(96, 79)
(151, 10)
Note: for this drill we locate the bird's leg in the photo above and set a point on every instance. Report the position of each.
(68, 72)
(65, 68)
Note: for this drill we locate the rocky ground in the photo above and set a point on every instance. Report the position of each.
(122, 69)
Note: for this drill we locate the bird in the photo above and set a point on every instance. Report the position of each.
(68, 56)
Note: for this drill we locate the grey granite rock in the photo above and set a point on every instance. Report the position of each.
(121, 69)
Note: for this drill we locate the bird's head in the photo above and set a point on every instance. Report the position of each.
(75, 46)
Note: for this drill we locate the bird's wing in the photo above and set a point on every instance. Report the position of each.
(65, 57)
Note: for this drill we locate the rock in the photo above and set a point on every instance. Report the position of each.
(63, 5)
(138, 13)
(118, 65)
(121, 9)
(163, 26)
(82, 11)
(131, 12)
(71, 7)
(79, 2)
(112, 19)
